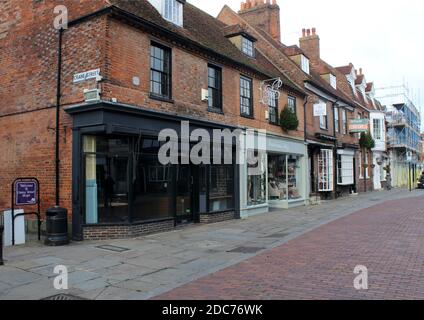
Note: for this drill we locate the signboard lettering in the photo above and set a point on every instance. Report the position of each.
(83, 76)
(359, 125)
(26, 193)
(320, 109)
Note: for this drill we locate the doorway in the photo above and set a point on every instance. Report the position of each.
(185, 190)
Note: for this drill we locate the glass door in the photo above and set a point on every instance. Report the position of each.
(184, 191)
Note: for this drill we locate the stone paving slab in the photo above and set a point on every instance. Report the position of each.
(158, 263)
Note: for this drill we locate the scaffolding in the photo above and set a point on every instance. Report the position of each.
(403, 133)
(403, 118)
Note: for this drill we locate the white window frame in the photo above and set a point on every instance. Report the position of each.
(333, 81)
(172, 11)
(367, 171)
(377, 132)
(344, 121)
(325, 171)
(345, 172)
(336, 119)
(304, 62)
(247, 47)
(361, 169)
(323, 122)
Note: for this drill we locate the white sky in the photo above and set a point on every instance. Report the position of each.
(384, 37)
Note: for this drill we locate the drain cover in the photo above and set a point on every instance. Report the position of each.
(279, 235)
(246, 250)
(113, 248)
(62, 297)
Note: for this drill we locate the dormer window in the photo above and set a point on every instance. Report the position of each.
(333, 81)
(171, 10)
(247, 47)
(304, 64)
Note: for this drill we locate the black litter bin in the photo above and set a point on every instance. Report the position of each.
(1, 245)
(57, 227)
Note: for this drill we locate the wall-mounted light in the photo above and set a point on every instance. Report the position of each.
(91, 95)
(205, 95)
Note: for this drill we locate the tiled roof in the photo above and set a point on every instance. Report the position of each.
(236, 30)
(206, 31)
(293, 51)
(345, 69)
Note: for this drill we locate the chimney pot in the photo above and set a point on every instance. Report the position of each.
(314, 31)
(308, 32)
(360, 71)
(303, 32)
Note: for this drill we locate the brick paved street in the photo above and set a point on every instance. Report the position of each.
(296, 260)
(388, 239)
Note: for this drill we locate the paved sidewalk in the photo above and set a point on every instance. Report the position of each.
(156, 264)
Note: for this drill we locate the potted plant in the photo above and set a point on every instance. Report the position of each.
(288, 119)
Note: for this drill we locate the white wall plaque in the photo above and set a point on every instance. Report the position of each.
(83, 76)
(320, 109)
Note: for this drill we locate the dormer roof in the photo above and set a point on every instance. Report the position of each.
(238, 30)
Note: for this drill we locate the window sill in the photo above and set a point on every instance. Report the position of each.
(274, 124)
(247, 117)
(215, 110)
(159, 98)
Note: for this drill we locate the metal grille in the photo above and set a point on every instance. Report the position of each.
(113, 248)
(279, 235)
(246, 250)
(64, 297)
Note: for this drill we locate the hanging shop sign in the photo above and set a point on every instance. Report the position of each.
(359, 125)
(320, 109)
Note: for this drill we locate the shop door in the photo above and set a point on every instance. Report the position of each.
(107, 189)
(184, 194)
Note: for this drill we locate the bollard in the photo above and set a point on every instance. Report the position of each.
(1, 245)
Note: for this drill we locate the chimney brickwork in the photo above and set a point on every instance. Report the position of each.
(263, 14)
(309, 43)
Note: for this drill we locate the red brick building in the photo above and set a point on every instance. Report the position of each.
(151, 70)
(333, 150)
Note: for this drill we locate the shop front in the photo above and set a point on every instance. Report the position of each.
(287, 173)
(281, 181)
(346, 177)
(121, 189)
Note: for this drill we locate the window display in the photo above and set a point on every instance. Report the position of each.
(256, 179)
(325, 170)
(283, 177)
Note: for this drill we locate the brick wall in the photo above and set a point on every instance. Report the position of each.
(126, 231)
(216, 217)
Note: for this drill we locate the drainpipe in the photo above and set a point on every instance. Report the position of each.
(58, 96)
(335, 146)
(304, 117)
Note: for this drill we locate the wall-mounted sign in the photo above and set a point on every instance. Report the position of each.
(320, 109)
(25, 193)
(83, 76)
(359, 125)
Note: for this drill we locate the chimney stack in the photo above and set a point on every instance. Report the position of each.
(309, 43)
(263, 14)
